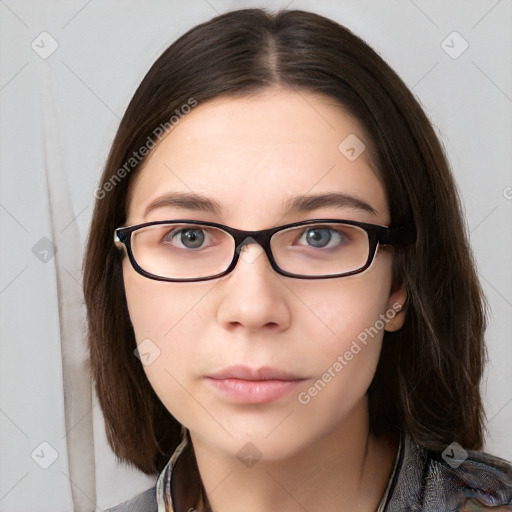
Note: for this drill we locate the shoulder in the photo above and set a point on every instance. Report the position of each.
(143, 502)
(452, 480)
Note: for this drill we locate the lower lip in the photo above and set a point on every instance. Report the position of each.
(253, 391)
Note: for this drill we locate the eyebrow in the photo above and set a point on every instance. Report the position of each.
(302, 203)
(310, 202)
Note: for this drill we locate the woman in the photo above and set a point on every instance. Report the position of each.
(289, 315)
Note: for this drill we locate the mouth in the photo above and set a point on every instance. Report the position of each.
(245, 385)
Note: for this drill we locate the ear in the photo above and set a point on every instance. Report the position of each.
(396, 304)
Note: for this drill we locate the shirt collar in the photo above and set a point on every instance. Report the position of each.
(167, 488)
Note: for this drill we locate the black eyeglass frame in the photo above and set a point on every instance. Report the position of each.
(377, 235)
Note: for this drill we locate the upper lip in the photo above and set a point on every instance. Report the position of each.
(247, 373)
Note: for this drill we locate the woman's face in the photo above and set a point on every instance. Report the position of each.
(251, 155)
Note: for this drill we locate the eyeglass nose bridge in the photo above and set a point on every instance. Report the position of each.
(261, 237)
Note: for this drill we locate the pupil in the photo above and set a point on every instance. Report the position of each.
(192, 238)
(313, 236)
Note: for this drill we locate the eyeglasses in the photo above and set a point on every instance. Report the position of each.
(189, 250)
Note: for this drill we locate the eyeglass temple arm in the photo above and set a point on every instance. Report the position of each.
(403, 235)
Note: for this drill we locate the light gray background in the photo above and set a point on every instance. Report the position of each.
(58, 118)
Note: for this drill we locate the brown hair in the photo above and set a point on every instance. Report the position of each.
(427, 380)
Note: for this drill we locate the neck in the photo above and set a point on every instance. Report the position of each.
(345, 470)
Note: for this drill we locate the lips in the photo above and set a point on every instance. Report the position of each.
(245, 385)
(246, 373)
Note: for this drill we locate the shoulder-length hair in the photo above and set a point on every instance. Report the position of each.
(428, 376)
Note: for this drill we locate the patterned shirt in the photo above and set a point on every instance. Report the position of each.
(421, 480)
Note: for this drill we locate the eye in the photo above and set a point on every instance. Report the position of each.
(320, 237)
(189, 237)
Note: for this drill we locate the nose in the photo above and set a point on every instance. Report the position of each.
(252, 295)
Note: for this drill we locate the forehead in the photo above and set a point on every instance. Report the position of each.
(251, 154)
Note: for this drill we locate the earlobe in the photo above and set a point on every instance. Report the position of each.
(395, 313)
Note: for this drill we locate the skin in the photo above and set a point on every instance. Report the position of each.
(249, 153)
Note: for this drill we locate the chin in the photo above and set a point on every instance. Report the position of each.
(262, 441)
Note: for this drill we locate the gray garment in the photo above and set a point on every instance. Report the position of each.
(424, 482)
(144, 502)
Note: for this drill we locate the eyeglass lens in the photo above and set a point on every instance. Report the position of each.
(184, 251)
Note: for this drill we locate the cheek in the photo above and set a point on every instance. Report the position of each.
(157, 308)
(168, 324)
(351, 309)
(344, 358)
